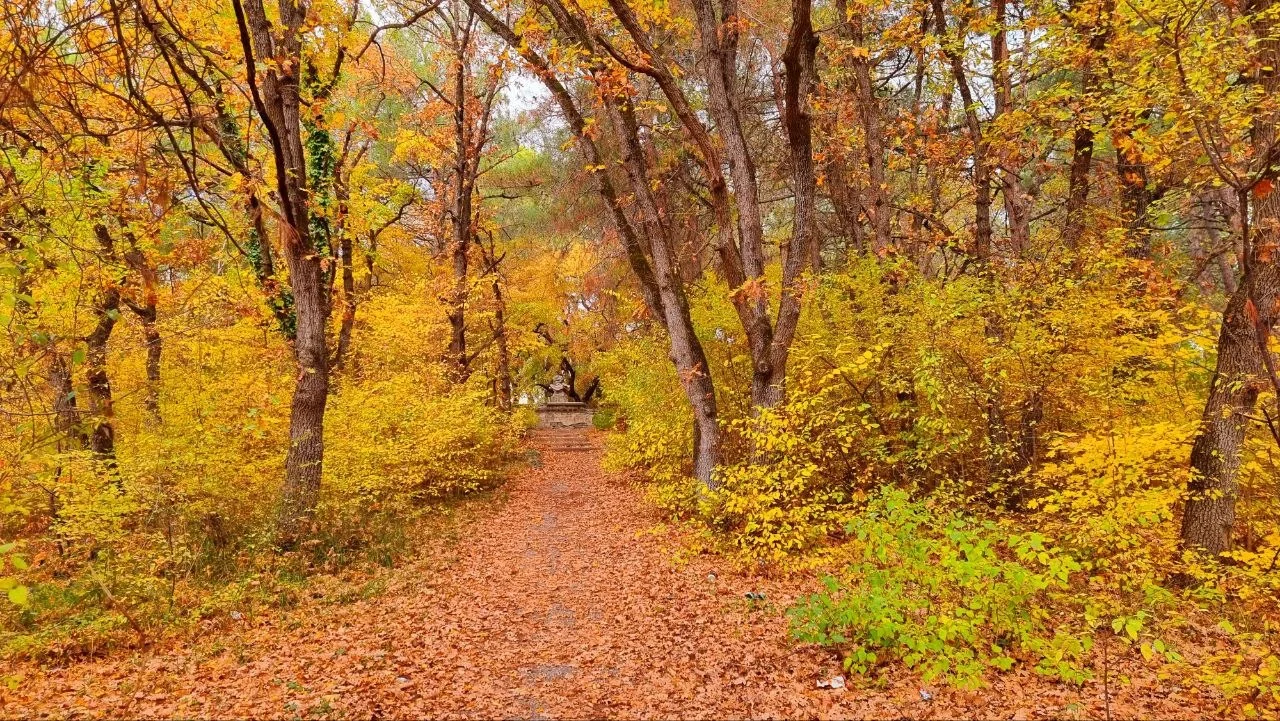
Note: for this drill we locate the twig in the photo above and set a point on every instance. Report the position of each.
(116, 606)
(1106, 676)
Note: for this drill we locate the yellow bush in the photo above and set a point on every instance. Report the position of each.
(1111, 496)
(182, 524)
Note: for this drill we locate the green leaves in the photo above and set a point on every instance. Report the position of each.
(937, 592)
(19, 595)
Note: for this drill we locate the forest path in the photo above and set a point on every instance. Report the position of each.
(559, 603)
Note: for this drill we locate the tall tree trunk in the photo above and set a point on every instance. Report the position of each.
(742, 264)
(276, 96)
(1017, 204)
(147, 314)
(981, 166)
(1099, 34)
(718, 36)
(106, 307)
(1135, 193)
(1216, 452)
(349, 303)
(67, 419)
(686, 350)
(798, 62)
(1245, 363)
(851, 27)
(502, 377)
(1078, 187)
(462, 217)
(155, 348)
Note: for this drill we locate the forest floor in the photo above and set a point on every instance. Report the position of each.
(560, 601)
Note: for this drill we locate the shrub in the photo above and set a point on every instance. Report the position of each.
(780, 502)
(652, 405)
(945, 595)
(182, 525)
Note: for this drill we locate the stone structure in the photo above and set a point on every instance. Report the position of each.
(559, 411)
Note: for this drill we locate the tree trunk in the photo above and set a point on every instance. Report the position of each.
(1099, 33)
(851, 28)
(349, 303)
(1240, 375)
(107, 309)
(798, 63)
(1017, 203)
(502, 378)
(155, 347)
(67, 420)
(276, 96)
(462, 218)
(1078, 187)
(718, 35)
(1135, 195)
(147, 314)
(686, 350)
(981, 168)
(1245, 363)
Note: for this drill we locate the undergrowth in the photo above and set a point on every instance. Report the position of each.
(972, 506)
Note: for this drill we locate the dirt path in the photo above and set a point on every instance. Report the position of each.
(560, 604)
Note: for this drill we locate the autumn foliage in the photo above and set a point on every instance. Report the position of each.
(958, 315)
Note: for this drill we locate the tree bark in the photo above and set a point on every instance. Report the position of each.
(67, 420)
(742, 263)
(350, 301)
(462, 209)
(1017, 204)
(1245, 364)
(147, 314)
(502, 378)
(1209, 515)
(1135, 193)
(106, 306)
(852, 29)
(798, 63)
(276, 96)
(686, 350)
(1099, 34)
(718, 37)
(981, 167)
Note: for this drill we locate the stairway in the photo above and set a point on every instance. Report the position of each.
(565, 440)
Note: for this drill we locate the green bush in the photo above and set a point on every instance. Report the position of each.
(947, 596)
(604, 418)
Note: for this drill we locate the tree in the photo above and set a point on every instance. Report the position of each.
(1245, 364)
(277, 96)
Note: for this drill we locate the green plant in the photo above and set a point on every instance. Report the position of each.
(945, 595)
(604, 418)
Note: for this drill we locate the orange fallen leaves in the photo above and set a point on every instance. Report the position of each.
(560, 606)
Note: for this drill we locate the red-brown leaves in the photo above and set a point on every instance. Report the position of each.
(1263, 188)
(560, 603)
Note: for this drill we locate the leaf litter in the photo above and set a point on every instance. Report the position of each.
(561, 603)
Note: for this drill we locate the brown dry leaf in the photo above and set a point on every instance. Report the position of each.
(559, 604)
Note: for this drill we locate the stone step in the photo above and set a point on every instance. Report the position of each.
(563, 440)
